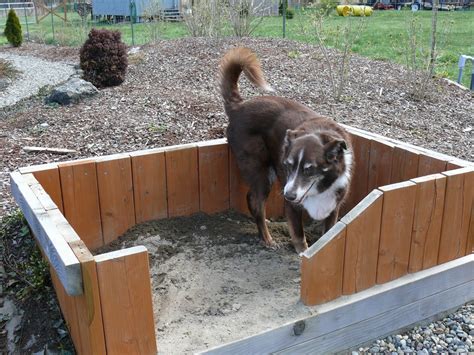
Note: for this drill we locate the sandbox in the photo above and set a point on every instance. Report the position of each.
(401, 253)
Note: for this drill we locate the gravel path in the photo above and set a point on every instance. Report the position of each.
(35, 74)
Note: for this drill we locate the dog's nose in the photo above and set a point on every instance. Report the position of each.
(290, 196)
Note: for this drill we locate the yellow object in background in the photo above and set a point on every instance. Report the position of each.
(353, 10)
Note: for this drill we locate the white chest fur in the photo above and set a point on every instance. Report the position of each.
(320, 204)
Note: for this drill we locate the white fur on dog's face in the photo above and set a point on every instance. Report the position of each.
(313, 178)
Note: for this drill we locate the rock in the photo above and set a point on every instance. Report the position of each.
(72, 91)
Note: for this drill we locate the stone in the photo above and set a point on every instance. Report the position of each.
(72, 91)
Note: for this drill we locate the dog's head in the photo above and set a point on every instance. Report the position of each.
(313, 161)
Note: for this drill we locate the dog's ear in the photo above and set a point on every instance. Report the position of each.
(289, 136)
(334, 149)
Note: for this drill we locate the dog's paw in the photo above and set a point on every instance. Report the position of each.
(272, 245)
(300, 247)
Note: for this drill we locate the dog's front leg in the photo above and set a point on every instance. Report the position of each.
(294, 217)
(331, 220)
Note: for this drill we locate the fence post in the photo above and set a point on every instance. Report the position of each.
(133, 14)
(26, 22)
(52, 20)
(284, 5)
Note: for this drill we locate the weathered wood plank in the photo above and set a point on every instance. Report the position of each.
(275, 205)
(345, 312)
(430, 165)
(362, 243)
(54, 247)
(182, 178)
(395, 232)
(322, 267)
(238, 188)
(470, 233)
(114, 177)
(360, 178)
(380, 165)
(213, 177)
(457, 213)
(429, 206)
(81, 201)
(49, 179)
(404, 164)
(125, 296)
(149, 185)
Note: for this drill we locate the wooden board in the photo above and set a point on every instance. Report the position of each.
(470, 234)
(114, 176)
(322, 267)
(429, 164)
(457, 213)
(213, 177)
(426, 232)
(238, 188)
(81, 201)
(149, 185)
(404, 164)
(360, 178)
(55, 248)
(395, 232)
(49, 179)
(362, 243)
(275, 205)
(182, 178)
(125, 297)
(380, 166)
(345, 313)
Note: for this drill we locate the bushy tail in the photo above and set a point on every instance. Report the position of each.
(234, 62)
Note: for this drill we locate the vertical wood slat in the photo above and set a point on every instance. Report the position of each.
(114, 176)
(49, 180)
(238, 188)
(457, 214)
(362, 243)
(360, 172)
(380, 166)
(322, 269)
(182, 178)
(81, 201)
(404, 164)
(430, 165)
(149, 185)
(428, 215)
(125, 296)
(275, 206)
(213, 177)
(470, 233)
(396, 228)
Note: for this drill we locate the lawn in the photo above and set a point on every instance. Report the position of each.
(383, 36)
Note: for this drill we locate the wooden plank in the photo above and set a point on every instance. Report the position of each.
(114, 177)
(457, 214)
(125, 296)
(470, 233)
(49, 179)
(362, 243)
(360, 178)
(182, 178)
(404, 164)
(430, 165)
(81, 201)
(238, 188)
(275, 205)
(429, 206)
(345, 312)
(395, 232)
(149, 186)
(213, 177)
(54, 247)
(380, 164)
(322, 267)
(387, 322)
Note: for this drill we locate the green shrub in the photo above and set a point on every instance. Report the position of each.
(103, 58)
(290, 13)
(13, 29)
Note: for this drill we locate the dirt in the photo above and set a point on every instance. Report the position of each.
(213, 280)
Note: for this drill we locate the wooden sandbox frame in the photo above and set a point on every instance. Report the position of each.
(405, 244)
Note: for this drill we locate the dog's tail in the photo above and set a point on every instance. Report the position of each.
(234, 62)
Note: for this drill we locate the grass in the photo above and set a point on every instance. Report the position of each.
(381, 38)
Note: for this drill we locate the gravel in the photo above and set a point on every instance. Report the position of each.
(452, 334)
(35, 73)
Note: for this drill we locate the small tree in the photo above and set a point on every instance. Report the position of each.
(103, 58)
(13, 29)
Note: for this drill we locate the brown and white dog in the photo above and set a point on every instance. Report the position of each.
(276, 137)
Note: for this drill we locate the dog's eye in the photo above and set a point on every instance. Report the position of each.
(309, 170)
